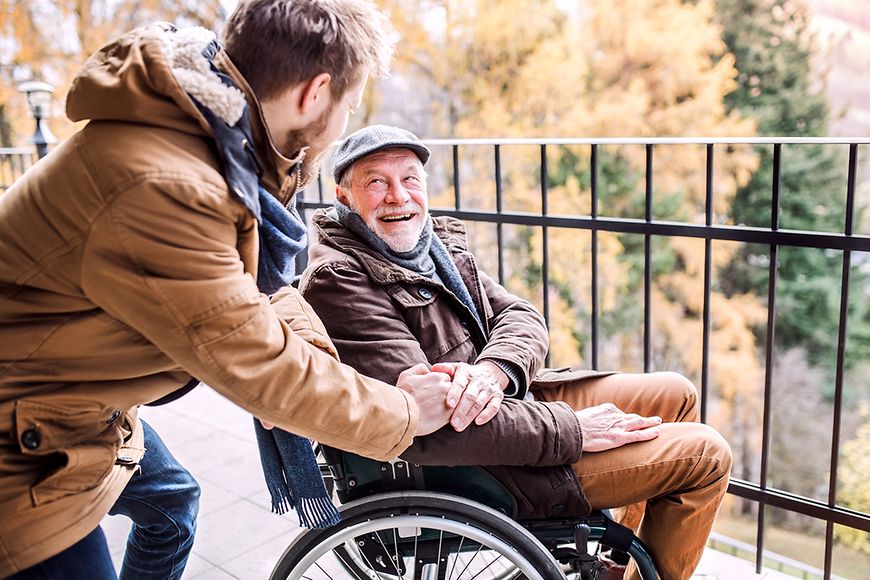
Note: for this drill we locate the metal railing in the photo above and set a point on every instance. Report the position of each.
(14, 161)
(773, 236)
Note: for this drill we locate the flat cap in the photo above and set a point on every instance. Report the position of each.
(374, 138)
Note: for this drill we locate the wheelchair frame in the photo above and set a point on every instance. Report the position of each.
(444, 506)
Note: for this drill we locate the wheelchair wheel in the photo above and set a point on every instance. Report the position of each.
(421, 536)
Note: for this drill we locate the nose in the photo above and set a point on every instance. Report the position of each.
(397, 193)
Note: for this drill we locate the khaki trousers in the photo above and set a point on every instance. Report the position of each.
(672, 485)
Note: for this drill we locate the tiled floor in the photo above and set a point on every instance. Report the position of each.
(238, 537)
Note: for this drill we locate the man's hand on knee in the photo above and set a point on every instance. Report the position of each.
(476, 394)
(429, 389)
(606, 427)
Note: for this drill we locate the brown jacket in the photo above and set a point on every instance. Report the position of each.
(126, 268)
(382, 318)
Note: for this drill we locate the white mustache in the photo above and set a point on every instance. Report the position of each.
(410, 207)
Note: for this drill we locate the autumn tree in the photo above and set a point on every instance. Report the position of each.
(51, 39)
(854, 484)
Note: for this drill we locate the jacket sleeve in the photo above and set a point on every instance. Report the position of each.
(522, 433)
(162, 259)
(302, 320)
(518, 333)
(361, 319)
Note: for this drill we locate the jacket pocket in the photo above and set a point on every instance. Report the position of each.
(429, 315)
(77, 445)
(86, 466)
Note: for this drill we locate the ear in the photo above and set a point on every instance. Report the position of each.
(315, 95)
(340, 196)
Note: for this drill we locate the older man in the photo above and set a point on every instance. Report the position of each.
(140, 256)
(394, 286)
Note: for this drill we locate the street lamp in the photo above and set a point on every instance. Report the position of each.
(38, 96)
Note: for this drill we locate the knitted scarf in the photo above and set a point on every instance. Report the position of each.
(426, 258)
(289, 466)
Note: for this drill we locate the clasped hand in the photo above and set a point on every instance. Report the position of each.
(476, 393)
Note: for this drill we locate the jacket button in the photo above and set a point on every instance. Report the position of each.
(31, 438)
(559, 509)
(424, 293)
(114, 416)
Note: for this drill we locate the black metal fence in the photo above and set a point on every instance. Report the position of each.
(773, 236)
(14, 161)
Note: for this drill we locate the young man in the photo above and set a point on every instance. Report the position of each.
(394, 286)
(139, 256)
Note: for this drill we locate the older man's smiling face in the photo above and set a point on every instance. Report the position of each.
(388, 190)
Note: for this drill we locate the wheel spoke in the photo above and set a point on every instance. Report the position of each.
(368, 562)
(394, 562)
(396, 547)
(455, 558)
(347, 565)
(485, 567)
(470, 560)
(324, 571)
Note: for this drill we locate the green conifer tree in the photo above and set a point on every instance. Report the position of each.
(773, 47)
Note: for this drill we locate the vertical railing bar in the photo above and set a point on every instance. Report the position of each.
(841, 358)
(593, 211)
(319, 187)
(499, 227)
(647, 264)
(768, 363)
(17, 166)
(300, 262)
(456, 195)
(545, 269)
(708, 251)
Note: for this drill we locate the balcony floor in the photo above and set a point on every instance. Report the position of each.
(238, 537)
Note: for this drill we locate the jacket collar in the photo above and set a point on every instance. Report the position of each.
(280, 175)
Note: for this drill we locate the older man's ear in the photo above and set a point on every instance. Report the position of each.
(340, 195)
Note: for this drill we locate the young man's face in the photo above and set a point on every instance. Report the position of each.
(329, 127)
(388, 190)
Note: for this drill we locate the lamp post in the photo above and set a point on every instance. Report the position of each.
(38, 96)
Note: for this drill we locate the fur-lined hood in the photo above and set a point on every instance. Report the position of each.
(147, 77)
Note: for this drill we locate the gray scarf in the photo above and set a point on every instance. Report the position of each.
(428, 258)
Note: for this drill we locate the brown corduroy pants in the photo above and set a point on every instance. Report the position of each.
(667, 489)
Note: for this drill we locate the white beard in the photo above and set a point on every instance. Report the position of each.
(402, 241)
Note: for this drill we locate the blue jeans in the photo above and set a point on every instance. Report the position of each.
(162, 499)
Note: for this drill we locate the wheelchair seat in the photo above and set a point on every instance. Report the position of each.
(402, 520)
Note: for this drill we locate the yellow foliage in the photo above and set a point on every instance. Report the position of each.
(51, 39)
(854, 485)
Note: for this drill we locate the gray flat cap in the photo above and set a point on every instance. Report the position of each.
(374, 138)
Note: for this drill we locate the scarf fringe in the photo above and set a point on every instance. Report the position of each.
(282, 501)
(313, 512)
(317, 512)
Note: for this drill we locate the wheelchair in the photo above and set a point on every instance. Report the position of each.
(406, 521)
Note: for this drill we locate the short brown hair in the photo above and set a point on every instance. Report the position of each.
(277, 44)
